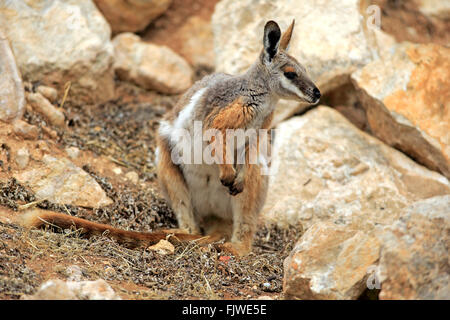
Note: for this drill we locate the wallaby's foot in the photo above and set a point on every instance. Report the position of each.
(235, 249)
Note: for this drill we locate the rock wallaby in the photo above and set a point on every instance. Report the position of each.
(225, 197)
(222, 197)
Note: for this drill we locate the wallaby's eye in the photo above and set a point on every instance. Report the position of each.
(290, 75)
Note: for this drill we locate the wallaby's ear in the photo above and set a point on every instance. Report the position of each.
(287, 36)
(272, 35)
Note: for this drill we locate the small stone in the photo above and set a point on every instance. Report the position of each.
(56, 289)
(51, 133)
(25, 130)
(117, 170)
(264, 298)
(133, 177)
(163, 247)
(41, 105)
(48, 92)
(110, 271)
(73, 152)
(43, 146)
(74, 273)
(22, 158)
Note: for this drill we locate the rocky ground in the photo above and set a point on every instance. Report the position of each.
(359, 201)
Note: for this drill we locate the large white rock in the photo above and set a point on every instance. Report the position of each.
(150, 66)
(328, 39)
(12, 94)
(330, 262)
(56, 41)
(60, 181)
(414, 262)
(325, 169)
(407, 100)
(407, 259)
(436, 8)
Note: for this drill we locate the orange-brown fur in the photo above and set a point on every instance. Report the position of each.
(37, 218)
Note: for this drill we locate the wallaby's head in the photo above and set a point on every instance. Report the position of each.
(287, 77)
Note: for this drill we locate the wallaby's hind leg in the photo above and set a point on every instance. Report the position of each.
(174, 189)
(217, 228)
(246, 207)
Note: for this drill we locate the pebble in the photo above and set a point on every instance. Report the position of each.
(73, 152)
(74, 273)
(40, 104)
(48, 92)
(163, 247)
(25, 130)
(22, 157)
(133, 177)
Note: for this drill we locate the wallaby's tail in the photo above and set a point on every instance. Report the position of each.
(37, 218)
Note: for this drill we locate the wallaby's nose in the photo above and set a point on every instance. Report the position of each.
(316, 94)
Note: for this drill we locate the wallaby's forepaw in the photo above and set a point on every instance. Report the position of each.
(229, 179)
(236, 188)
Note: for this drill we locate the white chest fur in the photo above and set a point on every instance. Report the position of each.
(208, 195)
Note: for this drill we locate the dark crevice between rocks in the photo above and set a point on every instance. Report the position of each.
(370, 294)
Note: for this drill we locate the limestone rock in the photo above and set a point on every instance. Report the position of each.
(131, 15)
(56, 41)
(73, 290)
(328, 39)
(150, 66)
(60, 181)
(329, 262)
(73, 152)
(414, 261)
(407, 101)
(197, 42)
(12, 94)
(41, 105)
(436, 8)
(132, 176)
(324, 168)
